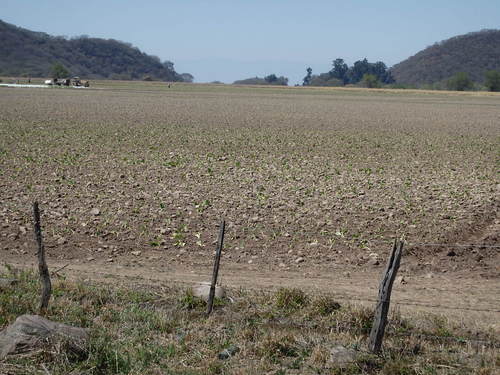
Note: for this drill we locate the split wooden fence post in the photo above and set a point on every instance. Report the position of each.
(42, 264)
(384, 298)
(220, 242)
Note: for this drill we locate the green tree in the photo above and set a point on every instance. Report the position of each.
(59, 71)
(358, 70)
(371, 81)
(492, 81)
(271, 78)
(307, 78)
(460, 82)
(339, 70)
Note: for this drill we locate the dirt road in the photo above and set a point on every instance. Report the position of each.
(457, 296)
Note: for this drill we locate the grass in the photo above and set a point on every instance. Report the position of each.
(165, 331)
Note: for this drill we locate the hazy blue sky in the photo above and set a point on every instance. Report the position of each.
(233, 39)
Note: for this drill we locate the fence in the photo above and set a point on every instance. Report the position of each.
(382, 302)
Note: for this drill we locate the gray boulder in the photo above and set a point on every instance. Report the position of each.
(202, 291)
(29, 332)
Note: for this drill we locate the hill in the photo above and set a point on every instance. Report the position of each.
(29, 53)
(473, 53)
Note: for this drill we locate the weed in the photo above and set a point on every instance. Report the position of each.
(290, 299)
(274, 347)
(189, 301)
(324, 305)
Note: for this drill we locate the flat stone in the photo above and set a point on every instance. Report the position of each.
(30, 332)
(341, 356)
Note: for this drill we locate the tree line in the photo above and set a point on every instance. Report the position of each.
(372, 74)
(375, 75)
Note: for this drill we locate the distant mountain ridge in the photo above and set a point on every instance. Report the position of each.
(473, 53)
(29, 53)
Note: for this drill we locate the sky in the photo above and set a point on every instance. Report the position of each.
(226, 40)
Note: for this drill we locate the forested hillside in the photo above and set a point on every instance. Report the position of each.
(473, 53)
(28, 53)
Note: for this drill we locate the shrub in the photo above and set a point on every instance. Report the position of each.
(492, 81)
(460, 82)
(371, 81)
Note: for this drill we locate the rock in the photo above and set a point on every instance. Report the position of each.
(29, 332)
(299, 260)
(229, 352)
(341, 356)
(203, 290)
(374, 261)
(95, 211)
(400, 280)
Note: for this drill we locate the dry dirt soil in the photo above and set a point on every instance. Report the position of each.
(133, 180)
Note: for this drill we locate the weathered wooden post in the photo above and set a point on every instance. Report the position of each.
(42, 265)
(384, 298)
(220, 242)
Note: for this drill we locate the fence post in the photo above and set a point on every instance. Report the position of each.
(220, 242)
(384, 298)
(42, 264)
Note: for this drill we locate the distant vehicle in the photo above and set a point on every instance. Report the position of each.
(75, 81)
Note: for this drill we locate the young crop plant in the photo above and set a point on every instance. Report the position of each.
(179, 235)
(203, 205)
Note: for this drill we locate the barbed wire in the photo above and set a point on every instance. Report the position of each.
(416, 303)
(427, 244)
(460, 340)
